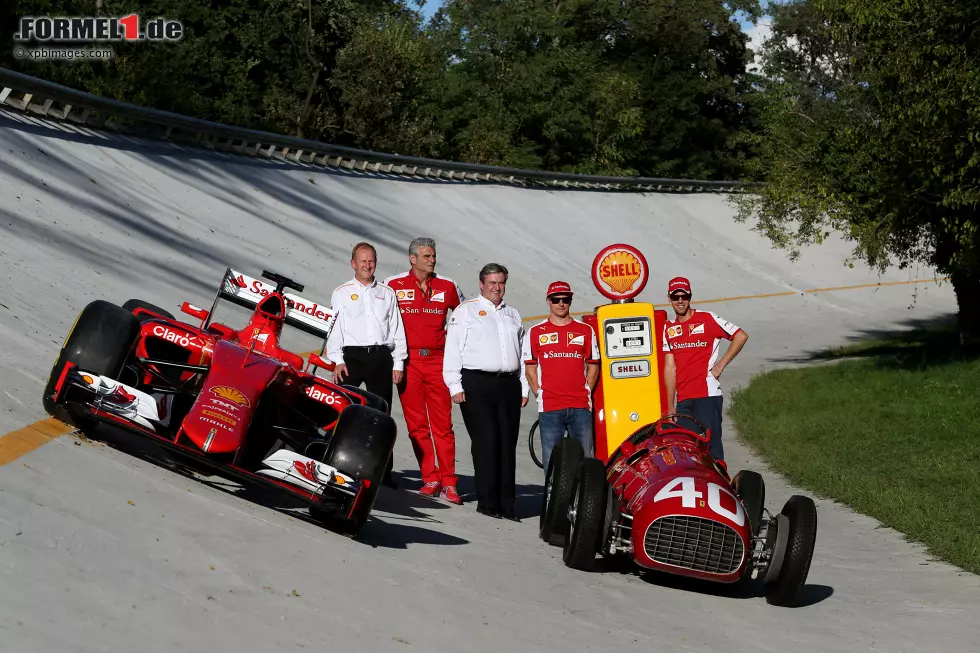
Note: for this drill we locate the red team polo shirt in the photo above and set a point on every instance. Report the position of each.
(424, 315)
(694, 345)
(561, 354)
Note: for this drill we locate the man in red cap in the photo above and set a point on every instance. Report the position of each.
(425, 300)
(561, 359)
(691, 364)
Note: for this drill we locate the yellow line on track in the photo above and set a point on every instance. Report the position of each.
(17, 443)
(774, 294)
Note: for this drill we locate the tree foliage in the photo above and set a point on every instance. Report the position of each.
(650, 87)
(871, 110)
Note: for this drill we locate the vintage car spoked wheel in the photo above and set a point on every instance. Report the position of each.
(531, 445)
(586, 516)
(562, 468)
(792, 546)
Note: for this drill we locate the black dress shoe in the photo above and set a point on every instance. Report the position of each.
(489, 512)
(389, 481)
(509, 514)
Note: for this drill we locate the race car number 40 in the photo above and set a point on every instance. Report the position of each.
(684, 488)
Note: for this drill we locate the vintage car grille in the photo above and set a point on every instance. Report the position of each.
(694, 543)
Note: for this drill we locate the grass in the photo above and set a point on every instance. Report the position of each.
(894, 433)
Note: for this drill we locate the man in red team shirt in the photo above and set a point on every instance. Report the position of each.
(561, 359)
(691, 364)
(425, 300)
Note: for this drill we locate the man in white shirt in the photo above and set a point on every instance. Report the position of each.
(367, 342)
(484, 370)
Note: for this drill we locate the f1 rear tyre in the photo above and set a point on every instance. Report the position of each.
(559, 484)
(100, 341)
(361, 446)
(373, 400)
(802, 521)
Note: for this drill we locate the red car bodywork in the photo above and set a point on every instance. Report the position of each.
(237, 386)
(680, 513)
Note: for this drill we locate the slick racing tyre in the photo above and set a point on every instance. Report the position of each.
(132, 304)
(373, 400)
(559, 483)
(361, 447)
(100, 341)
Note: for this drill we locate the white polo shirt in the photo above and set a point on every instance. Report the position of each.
(366, 315)
(481, 336)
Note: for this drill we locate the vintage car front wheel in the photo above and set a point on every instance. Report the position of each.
(783, 585)
(562, 467)
(586, 516)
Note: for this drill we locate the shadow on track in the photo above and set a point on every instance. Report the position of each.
(810, 594)
(377, 532)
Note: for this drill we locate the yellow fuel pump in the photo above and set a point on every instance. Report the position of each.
(630, 391)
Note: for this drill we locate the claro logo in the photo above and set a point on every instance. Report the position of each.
(177, 338)
(327, 398)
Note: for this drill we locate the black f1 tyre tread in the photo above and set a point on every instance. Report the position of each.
(751, 490)
(132, 304)
(802, 515)
(100, 342)
(585, 539)
(562, 469)
(361, 446)
(373, 400)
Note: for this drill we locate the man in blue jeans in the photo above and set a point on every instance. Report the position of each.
(561, 359)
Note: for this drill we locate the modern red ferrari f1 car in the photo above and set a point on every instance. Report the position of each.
(663, 502)
(231, 399)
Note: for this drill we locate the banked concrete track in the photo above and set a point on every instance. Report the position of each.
(103, 547)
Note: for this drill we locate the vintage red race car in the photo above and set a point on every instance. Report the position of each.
(231, 399)
(663, 502)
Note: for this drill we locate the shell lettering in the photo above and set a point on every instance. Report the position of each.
(620, 271)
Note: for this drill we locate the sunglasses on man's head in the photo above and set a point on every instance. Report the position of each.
(560, 300)
(679, 296)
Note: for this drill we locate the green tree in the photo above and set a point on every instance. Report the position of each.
(871, 111)
(388, 78)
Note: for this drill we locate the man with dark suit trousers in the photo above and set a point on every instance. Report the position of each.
(483, 368)
(367, 342)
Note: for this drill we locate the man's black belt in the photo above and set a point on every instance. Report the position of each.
(485, 373)
(368, 349)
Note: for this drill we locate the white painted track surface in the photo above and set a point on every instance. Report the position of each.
(192, 565)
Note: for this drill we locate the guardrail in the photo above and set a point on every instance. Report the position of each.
(41, 97)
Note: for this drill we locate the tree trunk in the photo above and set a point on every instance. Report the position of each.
(967, 289)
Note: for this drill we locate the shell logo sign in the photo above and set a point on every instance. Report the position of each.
(231, 394)
(620, 272)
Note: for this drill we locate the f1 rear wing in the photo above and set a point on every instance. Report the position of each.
(303, 314)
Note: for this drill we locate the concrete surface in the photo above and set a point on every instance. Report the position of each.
(105, 545)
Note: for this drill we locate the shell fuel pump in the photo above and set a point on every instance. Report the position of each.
(630, 392)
